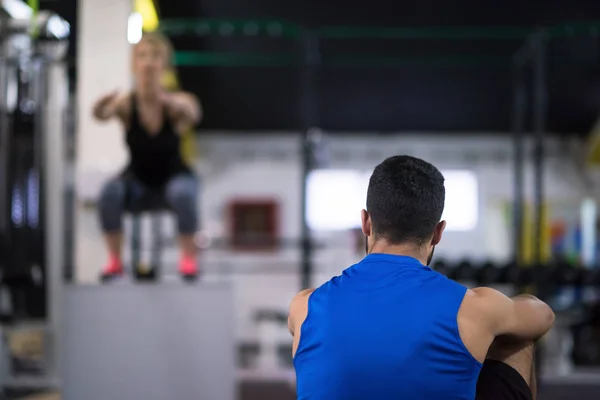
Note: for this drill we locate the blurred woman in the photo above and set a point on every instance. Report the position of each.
(153, 120)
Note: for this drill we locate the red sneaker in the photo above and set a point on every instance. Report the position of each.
(188, 267)
(113, 269)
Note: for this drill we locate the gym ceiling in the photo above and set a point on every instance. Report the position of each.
(440, 85)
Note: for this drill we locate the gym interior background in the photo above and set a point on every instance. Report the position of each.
(301, 100)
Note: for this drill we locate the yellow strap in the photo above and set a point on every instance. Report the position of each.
(148, 12)
(35, 8)
(528, 232)
(150, 22)
(188, 138)
(593, 146)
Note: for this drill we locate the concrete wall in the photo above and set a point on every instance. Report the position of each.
(103, 65)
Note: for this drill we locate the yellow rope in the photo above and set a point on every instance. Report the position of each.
(150, 22)
(188, 138)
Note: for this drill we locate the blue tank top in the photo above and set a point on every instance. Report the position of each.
(385, 329)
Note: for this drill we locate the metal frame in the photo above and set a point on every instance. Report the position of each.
(531, 55)
(156, 224)
(54, 148)
(309, 118)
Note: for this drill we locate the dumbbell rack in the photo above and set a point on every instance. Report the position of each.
(489, 273)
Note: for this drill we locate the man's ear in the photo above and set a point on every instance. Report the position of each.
(438, 232)
(365, 225)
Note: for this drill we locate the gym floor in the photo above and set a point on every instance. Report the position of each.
(282, 391)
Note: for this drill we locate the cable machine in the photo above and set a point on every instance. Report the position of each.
(33, 114)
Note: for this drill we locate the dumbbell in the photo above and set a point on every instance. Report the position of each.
(441, 267)
(526, 276)
(510, 273)
(534, 274)
(464, 271)
(591, 277)
(489, 273)
(562, 273)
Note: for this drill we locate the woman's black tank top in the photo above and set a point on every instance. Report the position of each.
(154, 159)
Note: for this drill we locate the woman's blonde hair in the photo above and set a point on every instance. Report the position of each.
(161, 42)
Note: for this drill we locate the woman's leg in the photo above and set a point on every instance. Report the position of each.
(111, 207)
(182, 195)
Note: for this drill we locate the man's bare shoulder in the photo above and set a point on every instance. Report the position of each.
(485, 306)
(476, 320)
(487, 296)
(301, 299)
(298, 310)
(299, 305)
(483, 300)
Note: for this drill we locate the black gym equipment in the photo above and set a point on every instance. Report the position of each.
(586, 338)
(489, 273)
(309, 116)
(34, 93)
(152, 203)
(441, 267)
(463, 271)
(22, 227)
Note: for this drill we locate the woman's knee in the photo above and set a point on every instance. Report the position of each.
(111, 204)
(182, 193)
(113, 193)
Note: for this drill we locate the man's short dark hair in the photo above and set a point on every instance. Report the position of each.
(405, 200)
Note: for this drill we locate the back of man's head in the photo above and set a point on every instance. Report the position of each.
(405, 200)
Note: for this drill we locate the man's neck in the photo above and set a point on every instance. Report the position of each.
(407, 250)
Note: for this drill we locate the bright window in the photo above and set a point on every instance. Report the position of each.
(462, 200)
(335, 198)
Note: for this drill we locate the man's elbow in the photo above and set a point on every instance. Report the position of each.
(545, 321)
(550, 318)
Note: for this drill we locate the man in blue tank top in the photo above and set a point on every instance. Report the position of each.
(391, 328)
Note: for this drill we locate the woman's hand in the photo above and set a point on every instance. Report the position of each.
(183, 107)
(107, 106)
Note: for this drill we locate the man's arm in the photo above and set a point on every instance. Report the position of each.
(522, 318)
(298, 310)
(185, 108)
